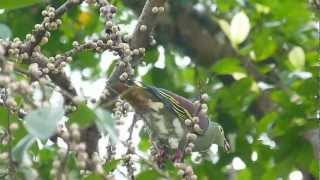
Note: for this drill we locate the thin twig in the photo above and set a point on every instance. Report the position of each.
(134, 120)
(154, 167)
(40, 34)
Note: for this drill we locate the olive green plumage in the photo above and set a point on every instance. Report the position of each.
(165, 113)
(213, 135)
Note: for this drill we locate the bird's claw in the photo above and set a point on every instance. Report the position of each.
(178, 156)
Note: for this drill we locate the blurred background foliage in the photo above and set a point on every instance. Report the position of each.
(263, 88)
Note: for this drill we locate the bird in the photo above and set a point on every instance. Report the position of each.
(165, 114)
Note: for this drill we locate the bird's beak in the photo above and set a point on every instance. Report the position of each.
(226, 145)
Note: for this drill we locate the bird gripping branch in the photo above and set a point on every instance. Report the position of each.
(168, 116)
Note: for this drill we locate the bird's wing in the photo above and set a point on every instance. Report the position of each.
(170, 102)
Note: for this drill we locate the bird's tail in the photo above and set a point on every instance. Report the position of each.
(226, 145)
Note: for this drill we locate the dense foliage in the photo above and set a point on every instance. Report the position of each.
(256, 59)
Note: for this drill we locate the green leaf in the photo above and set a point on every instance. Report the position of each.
(225, 27)
(227, 66)
(264, 45)
(28, 172)
(148, 174)
(93, 177)
(3, 116)
(225, 5)
(151, 55)
(239, 28)
(297, 58)
(244, 174)
(14, 4)
(19, 152)
(19, 23)
(71, 163)
(82, 116)
(85, 59)
(5, 31)
(207, 170)
(144, 144)
(269, 174)
(286, 10)
(105, 123)
(171, 169)
(44, 164)
(18, 134)
(42, 123)
(74, 175)
(266, 122)
(112, 165)
(111, 67)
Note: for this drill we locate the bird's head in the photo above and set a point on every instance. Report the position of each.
(219, 137)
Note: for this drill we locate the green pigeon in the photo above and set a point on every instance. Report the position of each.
(165, 114)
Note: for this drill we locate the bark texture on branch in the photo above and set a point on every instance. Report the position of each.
(200, 37)
(60, 78)
(147, 18)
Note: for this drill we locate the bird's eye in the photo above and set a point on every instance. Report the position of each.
(221, 130)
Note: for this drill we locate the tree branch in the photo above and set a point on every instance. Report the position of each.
(146, 18)
(41, 32)
(140, 38)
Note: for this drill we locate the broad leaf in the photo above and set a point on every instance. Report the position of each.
(5, 31)
(82, 116)
(144, 143)
(106, 124)
(93, 176)
(19, 152)
(239, 28)
(297, 58)
(264, 45)
(14, 4)
(151, 55)
(227, 66)
(112, 165)
(225, 26)
(148, 174)
(42, 122)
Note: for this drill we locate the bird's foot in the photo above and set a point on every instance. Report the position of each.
(178, 156)
(159, 155)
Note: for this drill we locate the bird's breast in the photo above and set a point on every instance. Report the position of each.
(165, 127)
